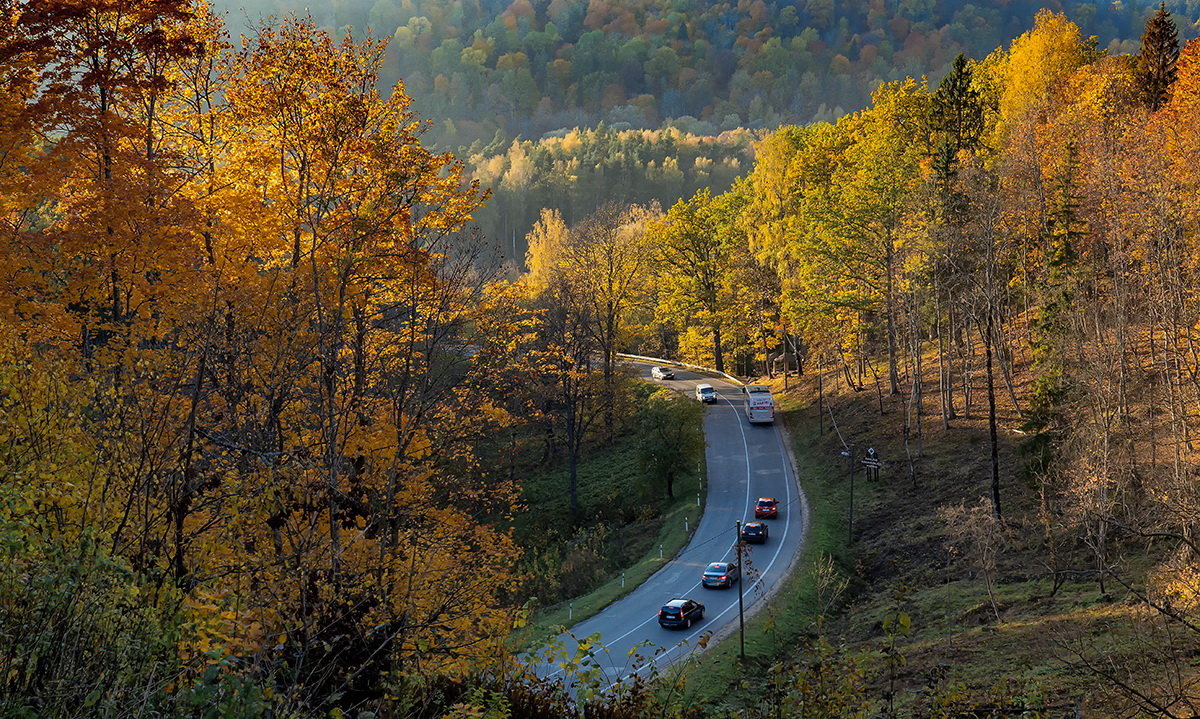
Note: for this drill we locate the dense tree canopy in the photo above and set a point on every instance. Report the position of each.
(531, 66)
(236, 291)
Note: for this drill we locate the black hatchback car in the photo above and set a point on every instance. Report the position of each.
(754, 532)
(680, 613)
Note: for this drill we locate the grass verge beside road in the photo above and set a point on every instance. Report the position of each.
(671, 537)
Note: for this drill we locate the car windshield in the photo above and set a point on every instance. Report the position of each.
(706, 390)
(766, 503)
(716, 567)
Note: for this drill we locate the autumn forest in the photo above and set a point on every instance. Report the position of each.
(301, 416)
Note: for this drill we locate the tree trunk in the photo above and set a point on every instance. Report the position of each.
(992, 438)
(892, 342)
(878, 388)
(918, 387)
(770, 371)
(820, 400)
(942, 380)
(963, 347)
(610, 421)
(718, 351)
(1005, 357)
(183, 500)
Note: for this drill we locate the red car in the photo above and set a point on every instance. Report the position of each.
(767, 508)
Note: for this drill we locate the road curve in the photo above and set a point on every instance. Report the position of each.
(745, 462)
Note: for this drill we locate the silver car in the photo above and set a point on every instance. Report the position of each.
(720, 574)
(662, 373)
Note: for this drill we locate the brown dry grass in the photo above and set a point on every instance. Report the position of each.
(959, 652)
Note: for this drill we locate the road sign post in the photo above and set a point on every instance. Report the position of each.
(872, 462)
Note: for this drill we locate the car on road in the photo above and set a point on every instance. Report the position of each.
(720, 574)
(754, 532)
(662, 373)
(766, 508)
(680, 613)
(706, 393)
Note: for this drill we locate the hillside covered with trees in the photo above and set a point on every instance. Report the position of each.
(527, 67)
(1004, 262)
(268, 413)
(548, 75)
(578, 171)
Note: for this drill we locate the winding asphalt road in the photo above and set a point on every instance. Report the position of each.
(745, 462)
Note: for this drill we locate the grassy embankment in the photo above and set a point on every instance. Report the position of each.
(1020, 647)
(626, 526)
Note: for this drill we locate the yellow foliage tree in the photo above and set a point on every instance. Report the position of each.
(262, 273)
(1034, 68)
(547, 243)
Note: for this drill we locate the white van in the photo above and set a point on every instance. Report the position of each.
(705, 393)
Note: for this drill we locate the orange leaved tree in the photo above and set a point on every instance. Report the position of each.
(268, 284)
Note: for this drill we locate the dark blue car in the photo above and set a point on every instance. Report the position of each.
(754, 532)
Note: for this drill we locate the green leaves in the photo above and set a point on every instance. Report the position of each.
(671, 436)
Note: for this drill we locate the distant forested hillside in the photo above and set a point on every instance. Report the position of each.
(576, 171)
(527, 67)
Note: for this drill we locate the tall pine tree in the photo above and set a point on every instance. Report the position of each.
(1155, 62)
(958, 109)
(1063, 233)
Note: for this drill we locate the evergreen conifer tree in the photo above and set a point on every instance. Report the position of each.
(1155, 62)
(958, 110)
(1064, 233)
